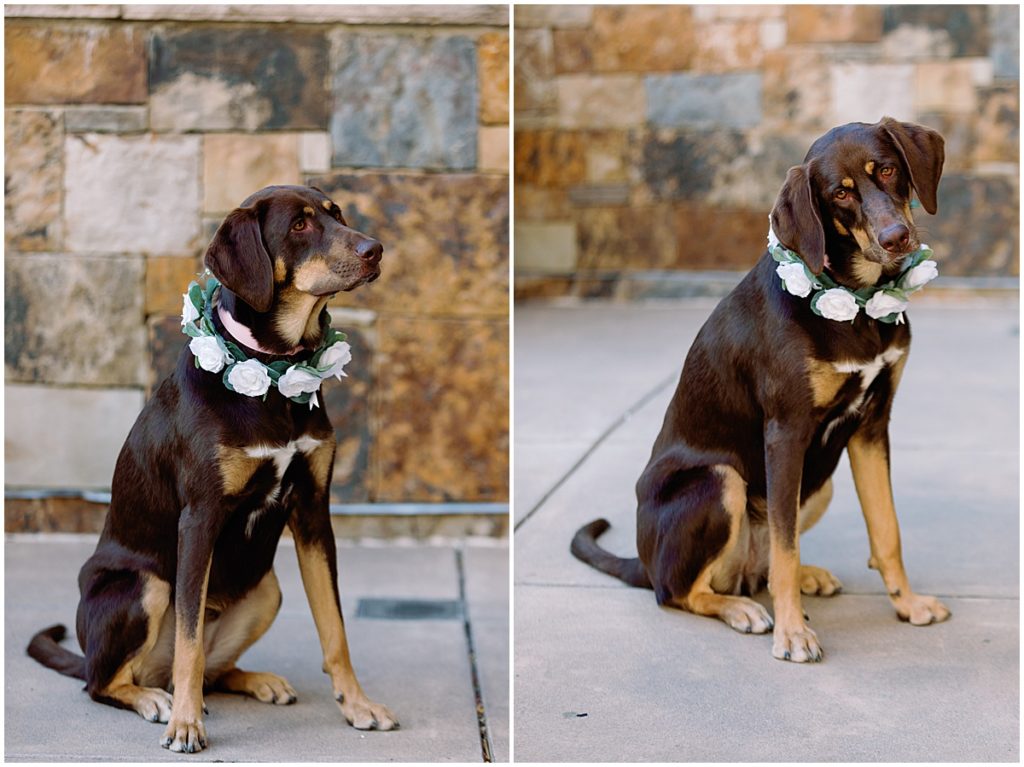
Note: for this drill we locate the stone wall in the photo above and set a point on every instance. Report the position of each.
(653, 139)
(132, 130)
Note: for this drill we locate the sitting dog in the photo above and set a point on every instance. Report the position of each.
(182, 580)
(777, 384)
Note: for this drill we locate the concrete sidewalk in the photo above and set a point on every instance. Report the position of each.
(603, 674)
(421, 668)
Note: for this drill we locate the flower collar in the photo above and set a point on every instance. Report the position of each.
(299, 382)
(831, 300)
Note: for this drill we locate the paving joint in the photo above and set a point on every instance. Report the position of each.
(630, 411)
(481, 710)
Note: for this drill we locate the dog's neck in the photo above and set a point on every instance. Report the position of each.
(253, 330)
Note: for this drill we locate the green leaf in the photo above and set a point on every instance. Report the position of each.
(195, 295)
(190, 329)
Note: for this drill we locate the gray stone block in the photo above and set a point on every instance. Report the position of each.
(74, 320)
(403, 101)
(105, 119)
(1005, 30)
(730, 100)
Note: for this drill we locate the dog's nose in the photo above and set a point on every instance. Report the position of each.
(895, 238)
(370, 250)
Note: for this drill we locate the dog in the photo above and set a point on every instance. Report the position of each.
(182, 579)
(771, 394)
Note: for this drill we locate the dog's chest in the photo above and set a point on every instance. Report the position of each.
(841, 389)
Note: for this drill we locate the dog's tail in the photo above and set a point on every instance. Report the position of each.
(584, 547)
(46, 649)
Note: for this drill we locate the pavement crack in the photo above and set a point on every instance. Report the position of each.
(630, 411)
(481, 711)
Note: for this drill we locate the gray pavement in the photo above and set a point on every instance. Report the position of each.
(603, 674)
(421, 669)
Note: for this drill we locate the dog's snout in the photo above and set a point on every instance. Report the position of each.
(895, 238)
(370, 251)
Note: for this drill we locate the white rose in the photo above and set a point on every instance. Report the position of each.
(295, 382)
(189, 313)
(795, 279)
(837, 304)
(249, 378)
(883, 304)
(921, 275)
(211, 357)
(335, 358)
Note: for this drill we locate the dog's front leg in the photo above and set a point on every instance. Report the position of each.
(314, 545)
(784, 457)
(869, 459)
(185, 730)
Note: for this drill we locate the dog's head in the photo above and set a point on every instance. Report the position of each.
(286, 251)
(849, 202)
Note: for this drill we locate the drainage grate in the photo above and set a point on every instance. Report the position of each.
(410, 609)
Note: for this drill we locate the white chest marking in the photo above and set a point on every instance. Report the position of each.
(281, 455)
(868, 371)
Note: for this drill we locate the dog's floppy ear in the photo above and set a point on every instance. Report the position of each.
(796, 221)
(923, 151)
(238, 259)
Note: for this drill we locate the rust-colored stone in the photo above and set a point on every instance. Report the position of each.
(53, 515)
(626, 237)
(642, 38)
(834, 23)
(492, 63)
(549, 158)
(573, 51)
(719, 238)
(167, 278)
(442, 431)
(74, 63)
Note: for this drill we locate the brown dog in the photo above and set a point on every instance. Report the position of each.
(772, 393)
(182, 583)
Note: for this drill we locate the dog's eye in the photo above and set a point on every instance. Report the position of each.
(887, 172)
(841, 194)
(299, 225)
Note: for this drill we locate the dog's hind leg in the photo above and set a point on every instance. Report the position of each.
(121, 621)
(703, 546)
(233, 632)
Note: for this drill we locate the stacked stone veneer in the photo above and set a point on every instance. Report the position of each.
(132, 130)
(653, 138)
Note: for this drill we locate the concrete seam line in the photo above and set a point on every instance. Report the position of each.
(597, 443)
(481, 712)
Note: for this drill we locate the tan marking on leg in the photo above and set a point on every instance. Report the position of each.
(236, 468)
(869, 167)
(815, 507)
(185, 731)
(848, 183)
(871, 477)
(792, 639)
(239, 625)
(357, 708)
(152, 704)
(321, 463)
(825, 382)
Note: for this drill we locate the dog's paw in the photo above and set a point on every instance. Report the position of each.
(261, 685)
(798, 645)
(920, 610)
(154, 704)
(817, 581)
(746, 616)
(363, 714)
(184, 736)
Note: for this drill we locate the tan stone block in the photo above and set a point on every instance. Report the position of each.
(572, 51)
(549, 158)
(534, 68)
(737, 12)
(492, 148)
(626, 237)
(796, 83)
(834, 23)
(548, 248)
(998, 131)
(492, 65)
(65, 63)
(728, 46)
(34, 171)
(167, 278)
(718, 237)
(946, 86)
(442, 432)
(445, 239)
(237, 164)
(534, 203)
(642, 38)
(603, 101)
(557, 16)
(607, 156)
